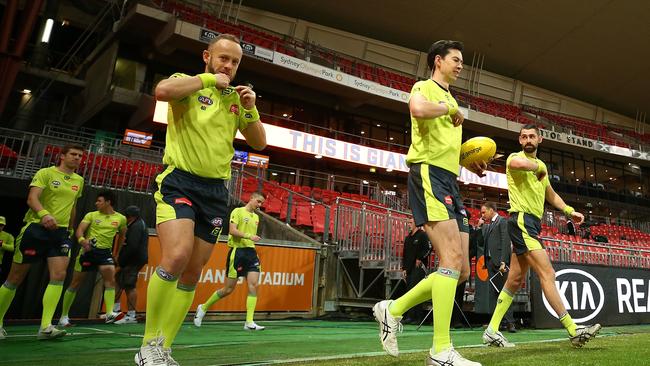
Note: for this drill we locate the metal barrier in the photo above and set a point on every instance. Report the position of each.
(592, 253)
(292, 207)
(372, 233)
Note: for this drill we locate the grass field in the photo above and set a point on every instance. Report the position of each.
(316, 343)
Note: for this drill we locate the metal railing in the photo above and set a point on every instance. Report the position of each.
(593, 253)
(110, 165)
(294, 208)
(374, 234)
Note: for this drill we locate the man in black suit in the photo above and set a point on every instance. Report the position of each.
(497, 253)
(414, 266)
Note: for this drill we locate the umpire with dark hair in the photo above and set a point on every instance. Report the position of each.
(414, 261)
(497, 253)
(132, 256)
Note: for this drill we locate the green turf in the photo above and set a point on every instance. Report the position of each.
(225, 343)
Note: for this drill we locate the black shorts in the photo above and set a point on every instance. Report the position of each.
(524, 232)
(36, 242)
(182, 195)
(240, 261)
(127, 277)
(433, 196)
(89, 261)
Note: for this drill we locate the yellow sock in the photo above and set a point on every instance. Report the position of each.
(109, 298)
(50, 301)
(503, 303)
(443, 290)
(68, 299)
(418, 294)
(214, 298)
(569, 324)
(251, 302)
(7, 293)
(159, 293)
(175, 316)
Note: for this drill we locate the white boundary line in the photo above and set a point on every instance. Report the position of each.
(375, 354)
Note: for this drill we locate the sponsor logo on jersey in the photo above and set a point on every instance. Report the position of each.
(234, 108)
(248, 115)
(56, 183)
(30, 252)
(115, 223)
(205, 100)
(98, 222)
(448, 200)
(183, 200)
(75, 188)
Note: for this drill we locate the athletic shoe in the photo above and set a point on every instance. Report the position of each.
(584, 334)
(152, 354)
(168, 357)
(65, 322)
(449, 357)
(496, 339)
(3, 333)
(50, 333)
(253, 326)
(127, 320)
(389, 326)
(198, 316)
(111, 317)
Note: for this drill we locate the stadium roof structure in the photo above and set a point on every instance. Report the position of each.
(593, 50)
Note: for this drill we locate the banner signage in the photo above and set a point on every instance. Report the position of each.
(286, 281)
(338, 77)
(595, 294)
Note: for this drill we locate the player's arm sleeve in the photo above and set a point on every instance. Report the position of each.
(40, 179)
(9, 244)
(87, 218)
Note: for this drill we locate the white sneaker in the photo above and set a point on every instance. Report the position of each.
(389, 326)
(64, 322)
(198, 316)
(50, 333)
(449, 357)
(111, 317)
(168, 357)
(152, 354)
(253, 326)
(3, 333)
(584, 333)
(127, 320)
(496, 339)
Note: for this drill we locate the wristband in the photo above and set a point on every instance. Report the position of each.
(250, 115)
(81, 238)
(568, 210)
(42, 213)
(208, 80)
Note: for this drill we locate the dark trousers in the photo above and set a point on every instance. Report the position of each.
(499, 281)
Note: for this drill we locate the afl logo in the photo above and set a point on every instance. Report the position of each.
(205, 100)
(217, 222)
(580, 292)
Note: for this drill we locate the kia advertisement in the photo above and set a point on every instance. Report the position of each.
(595, 294)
